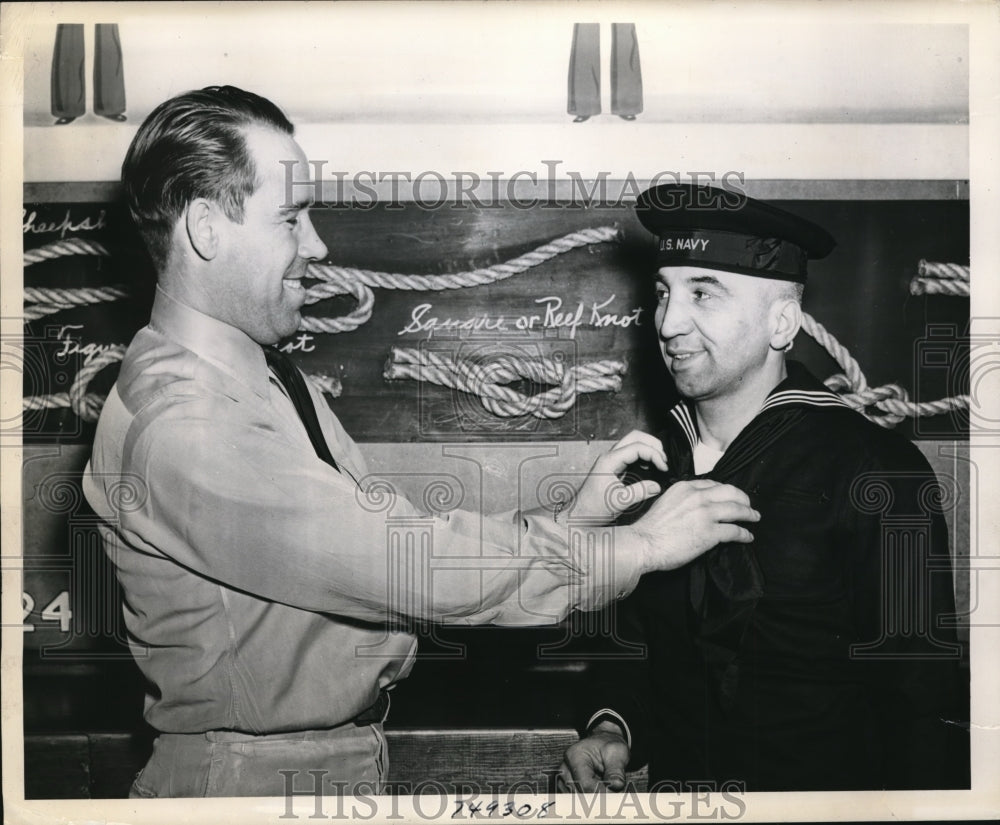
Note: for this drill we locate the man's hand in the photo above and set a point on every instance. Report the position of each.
(690, 518)
(597, 760)
(603, 495)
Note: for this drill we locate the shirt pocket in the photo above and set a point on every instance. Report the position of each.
(799, 497)
(796, 545)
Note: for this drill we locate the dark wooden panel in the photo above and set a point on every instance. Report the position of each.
(72, 192)
(479, 757)
(66, 695)
(479, 762)
(860, 293)
(497, 761)
(70, 595)
(115, 759)
(56, 767)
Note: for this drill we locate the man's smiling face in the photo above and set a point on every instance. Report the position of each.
(714, 329)
(266, 255)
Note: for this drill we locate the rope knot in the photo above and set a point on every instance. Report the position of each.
(488, 379)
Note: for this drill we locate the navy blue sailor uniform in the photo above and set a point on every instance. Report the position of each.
(813, 658)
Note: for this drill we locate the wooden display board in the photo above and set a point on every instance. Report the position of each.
(588, 305)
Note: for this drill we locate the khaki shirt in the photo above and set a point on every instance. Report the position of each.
(264, 590)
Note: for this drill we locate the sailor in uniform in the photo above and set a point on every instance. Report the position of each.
(813, 658)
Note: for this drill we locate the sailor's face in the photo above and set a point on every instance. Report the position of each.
(713, 328)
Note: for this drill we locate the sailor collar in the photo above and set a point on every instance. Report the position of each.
(799, 389)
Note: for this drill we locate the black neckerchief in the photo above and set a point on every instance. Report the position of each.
(726, 583)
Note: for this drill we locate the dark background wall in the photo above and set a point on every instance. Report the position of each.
(78, 677)
(859, 293)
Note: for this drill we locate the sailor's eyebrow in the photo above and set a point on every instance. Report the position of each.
(708, 280)
(698, 280)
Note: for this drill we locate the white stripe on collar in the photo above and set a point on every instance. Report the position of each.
(683, 416)
(811, 398)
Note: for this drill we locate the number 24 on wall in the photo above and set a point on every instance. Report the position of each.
(56, 610)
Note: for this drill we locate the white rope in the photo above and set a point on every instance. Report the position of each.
(948, 272)
(339, 280)
(856, 378)
(85, 404)
(335, 280)
(42, 301)
(486, 378)
(891, 400)
(940, 279)
(486, 381)
(60, 249)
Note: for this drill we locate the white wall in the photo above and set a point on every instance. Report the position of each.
(475, 86)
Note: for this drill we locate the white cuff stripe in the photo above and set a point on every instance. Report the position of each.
(618, 718)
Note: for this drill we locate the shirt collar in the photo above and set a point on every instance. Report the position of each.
(801, 388)
(798, 389)
(212, 340)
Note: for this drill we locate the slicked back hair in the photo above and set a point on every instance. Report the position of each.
(194, 146)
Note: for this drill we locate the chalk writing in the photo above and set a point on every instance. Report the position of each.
(611, 319)
(73, 347)
(421, 322)
(554, 319)
(551, 315)
(302, 343)
(32, 226)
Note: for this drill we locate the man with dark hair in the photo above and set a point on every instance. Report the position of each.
(258, 598)
(192, 147)
(816, 658)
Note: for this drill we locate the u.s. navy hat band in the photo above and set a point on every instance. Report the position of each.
(731, 252)
(727, 230)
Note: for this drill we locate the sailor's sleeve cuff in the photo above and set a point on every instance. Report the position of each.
(614, 716)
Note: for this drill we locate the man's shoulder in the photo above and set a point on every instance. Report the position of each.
(845, 435)
(156, 368)
(162, 384)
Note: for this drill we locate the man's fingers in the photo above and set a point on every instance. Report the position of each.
(580, 767)
(652, 448)
(640, 437)
(634, 493)
(614, 756)
(615, 778)
(709, 491)
(732, 511)
(599, 759)
(619, 457)
(699, 484)
(731, 533)
(726, 493)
